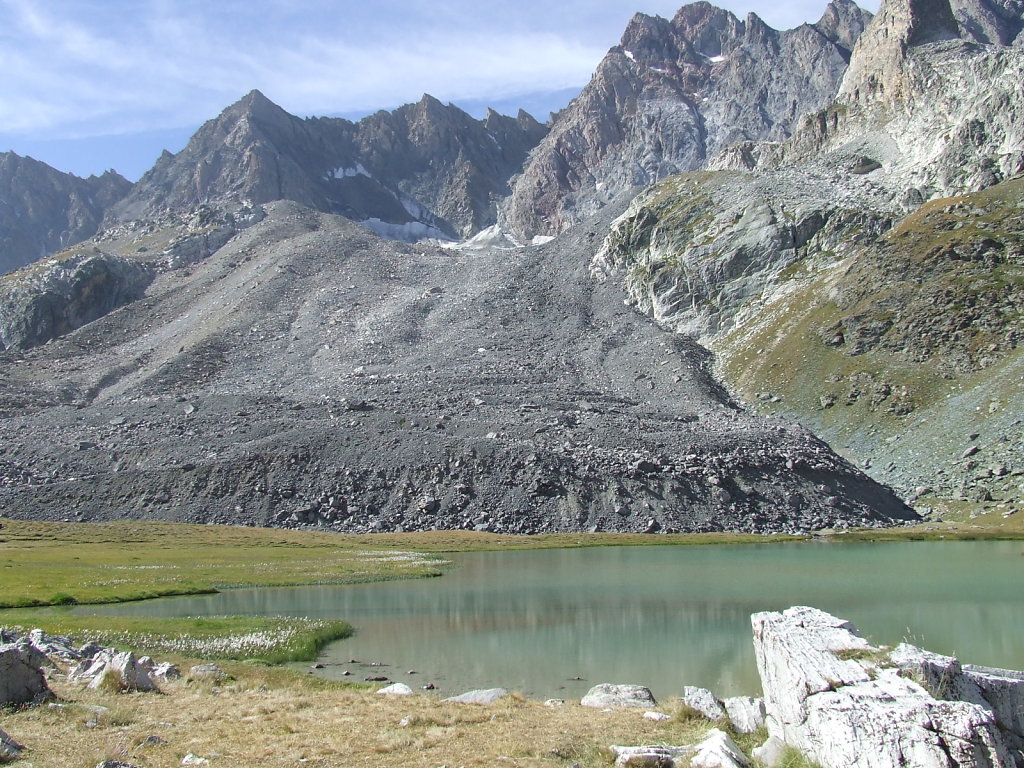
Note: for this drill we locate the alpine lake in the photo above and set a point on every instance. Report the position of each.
(553, 623)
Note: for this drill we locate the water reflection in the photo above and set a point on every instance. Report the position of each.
(661, 616)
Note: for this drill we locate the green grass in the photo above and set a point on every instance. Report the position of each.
(269, 639)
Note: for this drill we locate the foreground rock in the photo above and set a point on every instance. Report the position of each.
(842, 702)
(21, 681)
(609, 696)
(717, 750)
(121, 670)
(9, 748)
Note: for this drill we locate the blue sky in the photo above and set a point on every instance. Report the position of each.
(96, 84)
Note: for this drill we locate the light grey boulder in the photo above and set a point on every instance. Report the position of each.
(166, 671)
(770, 753)
(396, 689)
(21, 681)
(481, 696)
(718, 750)
(704, 701)
(611, 696)
(9, 748)
(833, 697)
(122, 669)
(209, 672)
(745, 713)
(652, 756)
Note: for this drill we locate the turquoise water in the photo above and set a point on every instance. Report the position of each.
(659, 616)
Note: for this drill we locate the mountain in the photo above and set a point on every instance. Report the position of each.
(865, 276)
(423, 170)
(43, 210)
(672, 94)
(311, 373)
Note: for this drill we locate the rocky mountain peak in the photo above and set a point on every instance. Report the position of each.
(877, 69)
(843, 22)
(672, 94)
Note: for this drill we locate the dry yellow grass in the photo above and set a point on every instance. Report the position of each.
(274, 717)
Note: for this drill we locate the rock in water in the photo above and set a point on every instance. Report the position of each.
(842, 702)
(608, 695)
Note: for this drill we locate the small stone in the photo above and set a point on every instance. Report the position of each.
(657, 717)
(554, 703)
(191, 759)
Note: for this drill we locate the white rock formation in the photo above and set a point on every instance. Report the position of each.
(718, 750)
(651, 756)
(841, 702)
(609, 695)
(128, 674)
(745, 713)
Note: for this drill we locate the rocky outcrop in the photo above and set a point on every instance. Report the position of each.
(57, 295)
(672, 94)
(717, 750)
(482, 696)
(611, 696)
(994, 22)
(841, 702)
(43, 210)
(424, 170)
(112, 669)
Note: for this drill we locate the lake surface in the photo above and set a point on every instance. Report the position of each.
(664, 617)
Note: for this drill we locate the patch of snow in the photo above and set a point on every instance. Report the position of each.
(541, 239)
(629, 55)
(492, 237)
(348, 173)
(659, 70)
(716, 59)
(409, 232)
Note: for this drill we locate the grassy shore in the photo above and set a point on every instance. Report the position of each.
(66, 563)
(275, 717)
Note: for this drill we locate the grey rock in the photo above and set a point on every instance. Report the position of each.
(380, 171)
(118, 669)
(210, 672)
(718, 750)
(21, 682)
(56, 296)
(651, 756)
(9, 748)
(481, 696)
(609, 695)
(704, 701)
(166, 671)
(46, 211)
(672, 94)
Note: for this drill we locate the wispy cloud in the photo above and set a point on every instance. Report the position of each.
(74, 68)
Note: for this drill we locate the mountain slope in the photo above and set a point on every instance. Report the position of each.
(423, 170)
(672, 94)
(43, 210)
(830, 294)
(311, 373)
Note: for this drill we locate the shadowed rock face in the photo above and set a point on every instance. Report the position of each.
(43, 210)
(671, 94)
(995, 22)
(425, 169)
